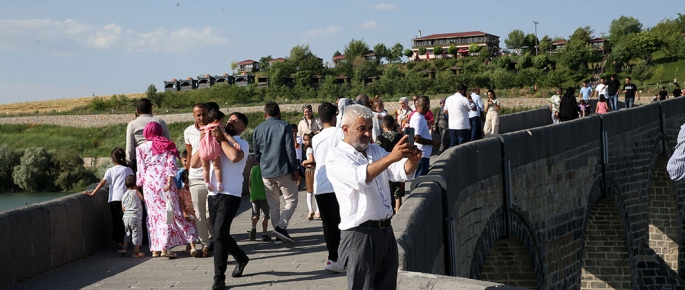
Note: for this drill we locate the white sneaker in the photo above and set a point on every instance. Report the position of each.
(334, 267)
(278, 241)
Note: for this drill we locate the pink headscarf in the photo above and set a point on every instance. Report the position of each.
(153, 132)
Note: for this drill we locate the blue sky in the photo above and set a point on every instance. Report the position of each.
(69, 49)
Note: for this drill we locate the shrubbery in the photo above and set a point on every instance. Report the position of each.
(36, 170)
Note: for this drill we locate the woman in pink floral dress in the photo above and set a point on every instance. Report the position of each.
(156, 160)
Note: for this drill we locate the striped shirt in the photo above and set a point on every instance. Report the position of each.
(191, 136)
(676, 165)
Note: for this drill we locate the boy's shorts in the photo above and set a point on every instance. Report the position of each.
(260, 205)
(134, 230)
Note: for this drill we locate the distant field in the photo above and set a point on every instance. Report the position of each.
(49, 105)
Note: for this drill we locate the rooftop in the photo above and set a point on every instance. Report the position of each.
(453, 34)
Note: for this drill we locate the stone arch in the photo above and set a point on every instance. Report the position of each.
(505, 258)
(663, 234)
(606, 259)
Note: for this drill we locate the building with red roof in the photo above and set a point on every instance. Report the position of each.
(462, 40)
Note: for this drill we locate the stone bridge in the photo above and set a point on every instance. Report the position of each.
(585, 204)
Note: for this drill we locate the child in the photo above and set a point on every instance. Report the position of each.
(132, 205)
(378, 114)
(184, 162)
(210, 149)
(258, 200)
(187, 209)
(309, 165)
(602, 107)
(116, 176)
(583, 107)
(387, 141)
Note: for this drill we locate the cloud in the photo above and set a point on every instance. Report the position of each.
(368, 25)
(385, 6)
(320, 32)
(65, 37)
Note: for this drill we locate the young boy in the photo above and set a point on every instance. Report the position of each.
(387, 140)
(131, 204)
(184, 162)
(258, 200)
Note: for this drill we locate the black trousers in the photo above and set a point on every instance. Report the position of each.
(222, 210)
(118, 230)
(330, 218)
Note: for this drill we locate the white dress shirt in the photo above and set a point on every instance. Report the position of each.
(458, 108)
(323, 143)
(361, 201)
(191, 136)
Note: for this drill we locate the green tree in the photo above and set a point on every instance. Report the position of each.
(530, 41)
(582, 34)
(437, 50)
(575, 55)
(154, 97)
(668, 31)
(408, 53)
(623, 26)
(395, 54)
(380, 51)
(264, 64)
(540, 61)
(621, 55)
(422, 50)
(31, 175)
(645, 44)
(452, 50)
(659, 74)
(302, 58)
(515, 39)
(474, 49)
(503, 62)
(9, 158)
(525, 61)
(354, 49)
(69, 172)
(545, 44)
(642, 71)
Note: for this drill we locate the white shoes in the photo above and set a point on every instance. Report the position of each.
(334, 267)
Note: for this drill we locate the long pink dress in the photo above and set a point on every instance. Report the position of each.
(152, 175)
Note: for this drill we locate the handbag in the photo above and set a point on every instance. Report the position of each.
(169, 210)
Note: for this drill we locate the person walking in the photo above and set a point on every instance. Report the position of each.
(274, 149)
(492, 114)
(630, 91)
(457, 107)
(475, 116)
(612, 90)
(134, 129)
(441, 127)
(554, 101)
(568, 107)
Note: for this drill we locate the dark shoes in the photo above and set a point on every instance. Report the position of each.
(282, 234)
(239, 267)
(253, 234)
(266, 238)
(219, 285)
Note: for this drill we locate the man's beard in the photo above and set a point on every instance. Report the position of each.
(230, 131)
(360, 146)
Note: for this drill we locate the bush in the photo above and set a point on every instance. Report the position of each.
(68, 170)
(9, 158)
(32, 172)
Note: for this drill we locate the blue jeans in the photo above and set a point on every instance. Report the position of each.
(613, 102)
(476, 128)
(458, 136)
(630, 102)
(424, 165)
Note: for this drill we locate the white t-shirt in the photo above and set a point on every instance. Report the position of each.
(191, 136)
(418, 122)
(298, 147)
(602, 89)
(458, 108)
(479, 102)
(322, 145)
(232, 173)
(116, 176)
(309, 151)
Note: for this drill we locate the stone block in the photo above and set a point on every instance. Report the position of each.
(6, 267)
(22, 253)
(74, 228)
(59, 235)
(40, 238)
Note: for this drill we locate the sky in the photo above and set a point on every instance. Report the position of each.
(70, 49)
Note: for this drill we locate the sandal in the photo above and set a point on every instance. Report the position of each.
(170, 255)
(138, 255)
(193, 252)
(122, 252)
(205, 252)
(156, 254)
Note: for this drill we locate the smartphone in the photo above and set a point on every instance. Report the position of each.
(410, 135)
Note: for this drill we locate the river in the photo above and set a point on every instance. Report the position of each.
(13, 200)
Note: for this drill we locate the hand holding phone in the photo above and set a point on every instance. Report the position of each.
(409, 132)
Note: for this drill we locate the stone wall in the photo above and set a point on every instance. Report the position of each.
(547, 186)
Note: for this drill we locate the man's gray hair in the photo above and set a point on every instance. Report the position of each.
(355, 111)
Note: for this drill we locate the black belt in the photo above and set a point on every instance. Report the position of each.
(375, 224)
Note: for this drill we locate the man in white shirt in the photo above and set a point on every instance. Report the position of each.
(422, 135)
(601, 90)
(134, 129)
(474, 116)
(457, 108)
(223, 206)
(360, 172)
(322, 144)
(198, 189)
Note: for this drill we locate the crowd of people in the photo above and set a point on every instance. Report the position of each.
(354, 159)
(564, 106)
